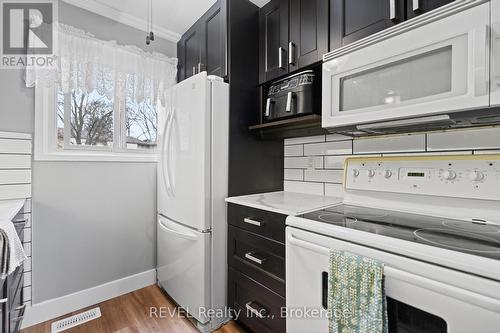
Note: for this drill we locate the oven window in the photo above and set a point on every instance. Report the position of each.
(404, 318)
(420, 76)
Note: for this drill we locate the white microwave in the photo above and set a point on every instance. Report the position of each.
(421, 71)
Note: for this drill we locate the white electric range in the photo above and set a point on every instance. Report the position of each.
(435, 223)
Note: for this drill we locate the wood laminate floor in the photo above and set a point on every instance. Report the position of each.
(130, 313)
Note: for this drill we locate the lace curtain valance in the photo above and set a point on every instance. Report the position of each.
(85, 63)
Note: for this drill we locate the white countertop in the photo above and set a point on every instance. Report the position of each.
(10, 208)
(288, 203)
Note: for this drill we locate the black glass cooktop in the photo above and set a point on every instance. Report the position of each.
(476, 237)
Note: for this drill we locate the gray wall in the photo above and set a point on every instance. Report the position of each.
(92, 222)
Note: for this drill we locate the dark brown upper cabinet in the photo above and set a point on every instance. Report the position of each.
(203, 47)
(354, 19)
(273, 40)
(189, 53)
(308, 32)
(214, 35)
(418, 7)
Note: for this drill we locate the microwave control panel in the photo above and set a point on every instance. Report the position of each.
(460, 176)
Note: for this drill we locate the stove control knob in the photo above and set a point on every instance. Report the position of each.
(476, 176)
(370, 173)
(387, 174)
(355, 172)
(450, 175)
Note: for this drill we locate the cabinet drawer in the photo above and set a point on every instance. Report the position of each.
(260, 258)
(267, 224)
(260, 307)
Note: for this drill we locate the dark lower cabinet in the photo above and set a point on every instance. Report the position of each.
(273, 30)
(258, 308)
(256, 259)
(355, 19)
(308, 32)
(418, 7)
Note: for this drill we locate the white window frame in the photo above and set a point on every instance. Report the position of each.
(45, 138)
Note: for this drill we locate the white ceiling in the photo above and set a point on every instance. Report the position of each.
(171, 18)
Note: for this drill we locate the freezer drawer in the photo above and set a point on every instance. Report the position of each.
(184, 266)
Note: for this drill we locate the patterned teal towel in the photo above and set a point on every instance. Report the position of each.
(356, 300)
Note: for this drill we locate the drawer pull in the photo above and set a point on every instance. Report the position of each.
(253, 222)
(20, 308)
(251, 256)
(256, 309)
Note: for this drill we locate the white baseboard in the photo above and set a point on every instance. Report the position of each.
(38, 313)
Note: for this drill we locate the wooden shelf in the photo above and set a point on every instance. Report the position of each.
(291, 127)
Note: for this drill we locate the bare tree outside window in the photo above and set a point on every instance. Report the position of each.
(91, 121)
(141, 124)
(91, 118)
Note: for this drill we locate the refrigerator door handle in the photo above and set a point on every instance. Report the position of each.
(170, 189)
(163, 152)
(188, 236)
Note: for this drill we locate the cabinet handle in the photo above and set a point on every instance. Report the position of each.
(253, 222)
(289, 101)
(280, 58)
(291, 53)
(20, 307)
(257, 310)
(251, 256)
(392, 9)
(194, 70)
(416, 5)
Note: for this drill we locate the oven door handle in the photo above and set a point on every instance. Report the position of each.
(467, 296)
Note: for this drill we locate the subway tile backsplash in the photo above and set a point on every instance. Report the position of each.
(487, 138)
(315, 164)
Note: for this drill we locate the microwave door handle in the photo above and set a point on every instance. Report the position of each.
(403, 122)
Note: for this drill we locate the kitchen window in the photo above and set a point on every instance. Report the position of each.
(101, 102)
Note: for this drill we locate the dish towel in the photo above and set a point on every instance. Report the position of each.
(12, 255)
(356, 299)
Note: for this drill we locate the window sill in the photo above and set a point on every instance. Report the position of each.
(69, 156)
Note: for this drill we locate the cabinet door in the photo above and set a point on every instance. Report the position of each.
(189, 52)
(418, 7)
(213, 40)
(354, 19)
(273, 26)
(308, 32)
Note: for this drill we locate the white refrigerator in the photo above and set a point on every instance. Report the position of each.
(192, 186)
